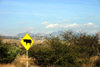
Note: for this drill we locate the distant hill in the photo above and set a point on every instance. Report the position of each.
(9, 37)
(31, 34)
(37, 36)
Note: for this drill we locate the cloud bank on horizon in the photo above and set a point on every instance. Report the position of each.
(88, 27)
(43, 16)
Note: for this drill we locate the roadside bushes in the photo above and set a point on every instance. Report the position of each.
(54, 53)
(8, 52)
(70, 49)
(88, 43)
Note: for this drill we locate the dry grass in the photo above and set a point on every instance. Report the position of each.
(10, 40)
(18, 41)
(20, 62)
(7, 65)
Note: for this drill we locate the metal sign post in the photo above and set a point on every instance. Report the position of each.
(26, 58)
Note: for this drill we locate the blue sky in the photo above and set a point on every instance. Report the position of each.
(45, 16)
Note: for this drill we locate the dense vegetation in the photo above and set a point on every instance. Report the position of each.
(8, 52)
(68, 50)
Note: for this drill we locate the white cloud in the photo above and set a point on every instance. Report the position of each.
(89, 27)
(52, 26)
(90, 24)
(56, 25)
(73, 25)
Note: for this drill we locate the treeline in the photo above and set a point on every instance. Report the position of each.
(69, 49)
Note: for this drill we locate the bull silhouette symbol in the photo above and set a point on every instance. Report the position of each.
(27, 41)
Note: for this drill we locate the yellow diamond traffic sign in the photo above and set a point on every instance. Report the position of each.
(27, 41)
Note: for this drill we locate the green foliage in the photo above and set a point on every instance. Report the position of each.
(54, 53)
(8, 52)
(87, 43)
(68, 50)
(41, 54)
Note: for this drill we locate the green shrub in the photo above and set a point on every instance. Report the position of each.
(87, 43)
(8, 52)
(68, 50)
(53, 52)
